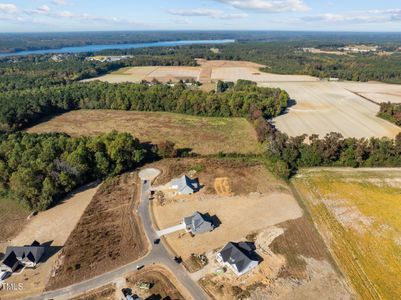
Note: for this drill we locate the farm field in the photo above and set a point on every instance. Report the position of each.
(357, 212)
(207, 72)
(51, 227)
(107, 236)
(375, 91)
(260, 209)
(204, 135)
(324, 107)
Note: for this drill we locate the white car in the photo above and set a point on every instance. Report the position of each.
(4, 276)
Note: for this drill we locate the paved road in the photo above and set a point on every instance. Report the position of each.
(157, 255)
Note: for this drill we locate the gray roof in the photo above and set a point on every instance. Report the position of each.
(26, 253)
(186, 185)
(199, 223)
(238, 254)
(10, 260)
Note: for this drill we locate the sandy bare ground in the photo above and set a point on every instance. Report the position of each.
(324, 107)
(239, 216)
(53, 225)
(376, 91)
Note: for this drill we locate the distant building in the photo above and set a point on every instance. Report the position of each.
(198, 223)
(185, 185)
(239, 257)
(26, 256)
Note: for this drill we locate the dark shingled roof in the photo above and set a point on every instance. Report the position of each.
(238, 254)
(10, 260)
(27, 253)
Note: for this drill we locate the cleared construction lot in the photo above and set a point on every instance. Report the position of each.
(251, 206)
(324, 107)
(53, 228)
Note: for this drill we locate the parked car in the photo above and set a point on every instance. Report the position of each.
(177, 259)
(4, 276)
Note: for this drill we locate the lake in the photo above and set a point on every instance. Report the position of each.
(96, 48)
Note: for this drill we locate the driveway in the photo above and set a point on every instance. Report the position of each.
(157, 255)
(169, 230)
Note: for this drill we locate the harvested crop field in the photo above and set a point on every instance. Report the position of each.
(324, 107)
(357, 212)
(108, 235)
(375, 91)
(208, 71)
(163, 284)
(51, 227)
(203, 135)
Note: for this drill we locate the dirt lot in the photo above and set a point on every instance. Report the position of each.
(207, 71)
(357, 212)
(376, 91)
(53, 228)
(323, 107)
(253, 190)
(296, 265)
(212, 134)
(163, 284)
(104, 293)
(107, 236)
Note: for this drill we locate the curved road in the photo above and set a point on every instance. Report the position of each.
(157, 255)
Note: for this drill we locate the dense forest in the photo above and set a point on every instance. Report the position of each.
(391, 112)
(40, 169)
(21, 108)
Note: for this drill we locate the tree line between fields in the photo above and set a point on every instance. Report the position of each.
(286, 154)
(21, 108)
(391, 112)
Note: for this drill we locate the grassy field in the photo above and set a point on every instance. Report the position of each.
(203, 135)
(358, 213)
(12, 218)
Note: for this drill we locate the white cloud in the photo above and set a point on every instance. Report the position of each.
(8, 8)
(203, 12)
(59, 2)
(357, 17)
(267, 6)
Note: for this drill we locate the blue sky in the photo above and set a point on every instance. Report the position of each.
(77, 15)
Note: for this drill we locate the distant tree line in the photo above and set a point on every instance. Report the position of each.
(38, 170)
(391, 112)
(21, 108)
(41, 71)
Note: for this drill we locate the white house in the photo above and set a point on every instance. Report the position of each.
(239, 257)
